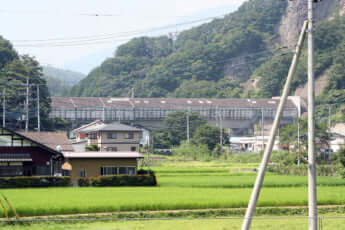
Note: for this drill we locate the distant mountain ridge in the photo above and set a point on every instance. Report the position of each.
(245, 54)
(60, 81)
(68, 76)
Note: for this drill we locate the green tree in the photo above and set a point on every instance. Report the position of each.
(176, 123)
(208, 135)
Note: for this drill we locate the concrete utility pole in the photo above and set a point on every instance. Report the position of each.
(312, 198)
(38, 109)
(329, 117)
(262, 129)
(187, 117)
(221, 129)
(27, 106)
(262, 169)
(4, 107)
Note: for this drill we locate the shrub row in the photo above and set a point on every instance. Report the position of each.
(119, 180)
(302, 170)
(42, 181)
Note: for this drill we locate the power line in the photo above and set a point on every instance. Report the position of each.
(120, 34)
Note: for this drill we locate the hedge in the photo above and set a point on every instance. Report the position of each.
(119, 180)
(39, 181)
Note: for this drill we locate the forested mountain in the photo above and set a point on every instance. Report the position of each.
(14, 71)
(222, 58)
(60, 81)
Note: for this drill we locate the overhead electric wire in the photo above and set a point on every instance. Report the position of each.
(111, 35)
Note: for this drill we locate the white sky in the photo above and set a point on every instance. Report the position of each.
(47, 19)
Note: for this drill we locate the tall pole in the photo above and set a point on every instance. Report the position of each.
(38, 109)
(27, 106)
(267, 153)
(312, 198)
(3, 107)
(329, 117)
(221, 129)
(262, 129)
(187, 117)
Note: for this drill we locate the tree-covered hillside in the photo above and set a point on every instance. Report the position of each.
(216, 60)
(14, 71)
(161, 67)
(60, 81)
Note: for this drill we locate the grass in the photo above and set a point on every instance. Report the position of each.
(237, 180)
(206, 224)
(182, 185)
(51, 201)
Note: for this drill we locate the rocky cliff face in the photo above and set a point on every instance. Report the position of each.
(296, 13)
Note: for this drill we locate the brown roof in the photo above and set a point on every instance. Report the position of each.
(102, 155)
(50, 139)
(130, 103)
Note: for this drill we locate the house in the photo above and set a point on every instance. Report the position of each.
(52, 154)
(24, 154)
(94, 164)
(337, 137)
(253, 144)
(114, 137)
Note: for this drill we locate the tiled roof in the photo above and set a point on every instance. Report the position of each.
(109, 155)
(14, 157)
(50, 139)
(132, 103)
(110, 127)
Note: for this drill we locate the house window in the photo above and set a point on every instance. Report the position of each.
(130, 136)
(112, 149)
(123, 170)
(82, 173)
(108, 170)
(111, 135)
(133, 149)
(131, 170)
(92, 136)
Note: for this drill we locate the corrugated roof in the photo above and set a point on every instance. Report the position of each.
(50, 139)
(130, 103)
(102, 155)
(109, 127)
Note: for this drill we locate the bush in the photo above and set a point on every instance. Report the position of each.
(42, 181)
(149, 179)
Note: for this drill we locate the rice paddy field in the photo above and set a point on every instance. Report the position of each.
(187, 185)
(182, 186)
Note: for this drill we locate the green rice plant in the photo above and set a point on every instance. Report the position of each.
(4, 208)
(11, 206)
(51, 201)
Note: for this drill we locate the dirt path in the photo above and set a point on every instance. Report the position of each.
(152, 213)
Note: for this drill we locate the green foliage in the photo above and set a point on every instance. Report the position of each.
(176, 123)
(192, 151)
(161, 67)
(209, 136)
(92, 148)
(123, 180)
(27, 182)
(288, 134)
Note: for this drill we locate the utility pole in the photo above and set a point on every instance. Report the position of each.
(38, 109)
(298, 142)
(4, 107)
(267, 153)
(262, 129)
(329, 117)
(187, 117)
(27, 106)
(312, 196)
(221, 129)
(132, 93)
